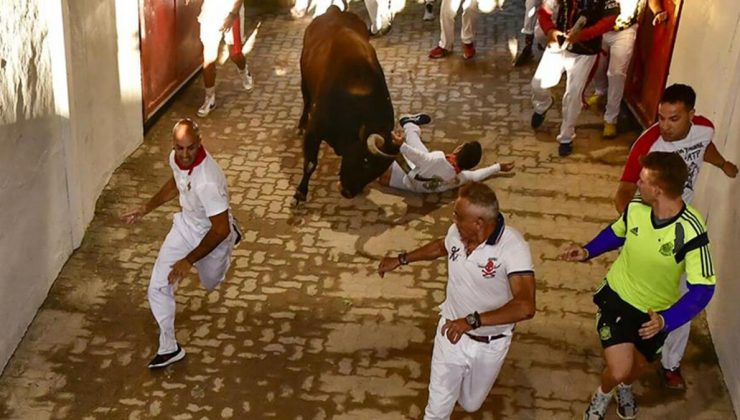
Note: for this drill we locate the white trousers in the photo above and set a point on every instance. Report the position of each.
(464, 372)
(530, 16)
(675, 344)
(399, 178)
(447, 13)
(211, 269)
(611, 73)
(554, 62)
(380, 14)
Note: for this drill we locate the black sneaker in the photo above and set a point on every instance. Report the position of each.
(565, 149)
(538, 119)
(163, 360)
(238, 233)
(418, 119)
(525, 56)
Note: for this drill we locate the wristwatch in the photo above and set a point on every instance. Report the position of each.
(473, 320)
(403, 258)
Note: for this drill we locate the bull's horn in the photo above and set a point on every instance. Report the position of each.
(374, 142)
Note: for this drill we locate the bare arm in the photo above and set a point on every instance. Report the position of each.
(430, 251)
(165, 194)
(712, 155)
(233, 14)
(521, 307)
(659, 15)
(625, 193)
(218, 232)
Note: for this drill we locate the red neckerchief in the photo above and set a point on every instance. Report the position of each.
(200, 155)
(452, 160)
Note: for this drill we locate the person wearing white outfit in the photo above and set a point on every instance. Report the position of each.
(379, 12)
(573, 41)
(617, 47)
(419, 170)
(447, 13)
(221, 20)
(491, 287)
(528, 30)
(203, 235)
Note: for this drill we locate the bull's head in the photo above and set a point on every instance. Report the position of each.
(365, 161)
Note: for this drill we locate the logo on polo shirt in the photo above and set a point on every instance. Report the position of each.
(489, 270)
(634, 231)
(454, 253)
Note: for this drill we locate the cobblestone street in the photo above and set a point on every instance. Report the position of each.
(303, 327)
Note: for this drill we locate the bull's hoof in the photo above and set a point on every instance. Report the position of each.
(299, 199)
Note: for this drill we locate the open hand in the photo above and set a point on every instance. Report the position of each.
(507, 166)
(574, 253)
(660, 17)
(179, 270)
(729, 169)
(388, 264)
(132, 216)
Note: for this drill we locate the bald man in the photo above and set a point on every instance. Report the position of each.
(202, 235)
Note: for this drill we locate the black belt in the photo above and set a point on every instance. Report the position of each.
(485, 338)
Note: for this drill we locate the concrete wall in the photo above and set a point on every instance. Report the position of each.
(707, 57)
(70, 111)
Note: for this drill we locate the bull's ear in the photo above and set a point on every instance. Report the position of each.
(375, 144)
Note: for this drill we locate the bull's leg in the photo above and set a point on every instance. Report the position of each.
(306, 106)
(311, 145)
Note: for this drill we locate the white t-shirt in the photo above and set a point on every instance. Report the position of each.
(480, 281)
(215, 11)
(203, 193)
(691, 149)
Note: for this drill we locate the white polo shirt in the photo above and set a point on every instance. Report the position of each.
(480, 281)
(203, 193)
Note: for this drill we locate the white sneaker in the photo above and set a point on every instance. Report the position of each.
(208, 105)
(596, 409)
(247, 81)
(429, 11)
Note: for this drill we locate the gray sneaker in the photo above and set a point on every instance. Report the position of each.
(596, 409)
(627, 407)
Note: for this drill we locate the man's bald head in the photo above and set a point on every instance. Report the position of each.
(186, 129)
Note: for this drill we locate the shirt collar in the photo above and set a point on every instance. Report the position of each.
(498, 232)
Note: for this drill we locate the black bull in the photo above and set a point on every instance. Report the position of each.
(345, 102)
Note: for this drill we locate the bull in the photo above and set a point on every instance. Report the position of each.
(345, 102)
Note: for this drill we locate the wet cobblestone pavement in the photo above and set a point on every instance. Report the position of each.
(303, 328)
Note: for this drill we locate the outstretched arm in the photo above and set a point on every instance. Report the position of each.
(430, 251)
(165, 194)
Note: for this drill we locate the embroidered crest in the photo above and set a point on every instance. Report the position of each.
(666, 249)
(489, 270)
(454, 253)
(605, 333)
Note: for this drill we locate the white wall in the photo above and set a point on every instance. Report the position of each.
(707, 57)
(70, 111)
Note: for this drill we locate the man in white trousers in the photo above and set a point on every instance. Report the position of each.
(379, 12)
(202, 235)
(617, 46)
(528, 29)
(447, 13)
(573, 42)
(422, 171)
(221, 20)
(491, 286)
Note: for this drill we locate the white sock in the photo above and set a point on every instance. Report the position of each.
(243, 71)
